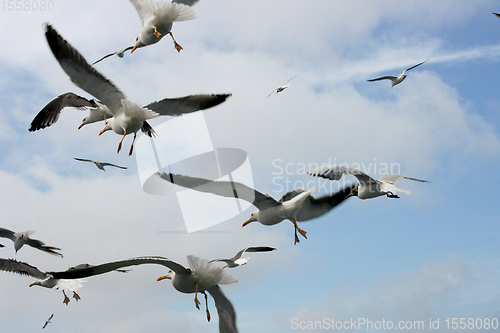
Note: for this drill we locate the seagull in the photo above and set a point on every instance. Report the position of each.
(200, 277)
(127, 117)
(368, 187)
(397, 79)
(48, 321)
(157, 18)
(269, 212)
(21, 238)
(100, 164)
(282, 87)
(238, 261)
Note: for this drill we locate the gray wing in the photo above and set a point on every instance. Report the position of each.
(314, 207)
(225, 310)
(423, 62)
(82, 73)
(186, 2)
(335, 172)
(113, 165)
(223, 188)
(6, 233)
(21, 268)
(187, 104)
(383, 78)
(42, 247)
(83, 159)
(85, 270)
(393, 179)
(120, 54)
(51, 112)
(248, 249)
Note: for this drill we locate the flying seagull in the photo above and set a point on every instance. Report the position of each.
(368, 187)
(269, 212)
(397, 79)
(157, 18)
(100, 164)
(238, 261)
(21, 238)
(48, 321)
(282, 87)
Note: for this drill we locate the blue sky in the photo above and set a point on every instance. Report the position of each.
(433, 254)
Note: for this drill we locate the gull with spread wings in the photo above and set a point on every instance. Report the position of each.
(397, 79)
(21, 238)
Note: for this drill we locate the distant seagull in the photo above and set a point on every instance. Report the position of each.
(282, 87)
(397, 79)
(48, 321)
(157, 18)
(100, 164)
(238, 261)
(496, 14)
(21, 238)
(368, 187)
(269, 212)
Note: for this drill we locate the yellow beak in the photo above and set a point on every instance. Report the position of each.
(161, 278)
(244, 224)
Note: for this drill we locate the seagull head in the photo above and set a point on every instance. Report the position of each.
(21, 238)
(253, 217)
(170, 275)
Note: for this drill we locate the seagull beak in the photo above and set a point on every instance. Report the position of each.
(104, 130)
(244, 224)
(133, 49)
(31, 285)
(161, 278)
(80, 126)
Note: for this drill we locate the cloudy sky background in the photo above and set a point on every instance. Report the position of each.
(433, 254)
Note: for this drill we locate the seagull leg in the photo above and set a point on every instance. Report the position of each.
(66, 298)
(157, 34)
(392, 195)
(206, 304)
(176, 45)
(302, 232)
(132, 146)
(196, 302)
(76, 296)
(120, 144)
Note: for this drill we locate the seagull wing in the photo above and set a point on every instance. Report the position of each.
(83, 271)
(248, 249)
(51, 112)
(186, 2)
(113, 165)
(83, 159)
(6, 233)
(42, 247)
(142, 8)
(289, 80)
(21, 268)
(187, 104)
(335, 172)
(393, 179)
(272, 92)
(383, 78)
(223, 188)
(225, 310)
(82, 74)
(414, 66)
(120, 53)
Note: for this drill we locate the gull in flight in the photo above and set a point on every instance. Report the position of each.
(282, 87)
(397, 79)
(48, 321)
(238, 261)
(100, 164)
(368, 187)
(157, 18)
(21, 238)
(270, 211)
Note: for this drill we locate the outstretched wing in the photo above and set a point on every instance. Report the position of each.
(186, 2)
(120, 54)
(383, 78)
(225, 310)
(142, 8)
(187, 104)
(113, 165)
(85, 270)
(335, 172)
(223, 188)
(423, 62)
(51, 112)
(38, 244)
(6, 233)
(393, 179)
(21, 268)
(83, 159)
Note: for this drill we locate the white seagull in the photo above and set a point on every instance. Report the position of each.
(270, 211)
(100, 164)
(48, 321)
(282, 87)
(238, 261)
(368, 187)
(397, 79)
(21, 238)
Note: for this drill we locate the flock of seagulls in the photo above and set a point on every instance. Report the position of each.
(124, 117)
